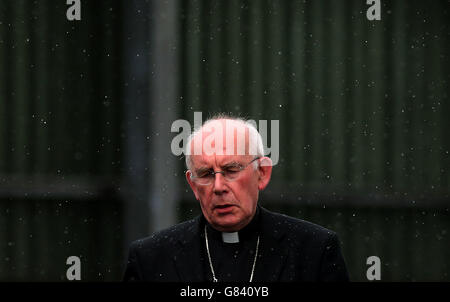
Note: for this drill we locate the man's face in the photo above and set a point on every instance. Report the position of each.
(228, 205)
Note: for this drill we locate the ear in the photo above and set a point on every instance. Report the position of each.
(191, 183)
(265, 172)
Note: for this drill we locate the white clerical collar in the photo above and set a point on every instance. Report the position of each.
(232, 237)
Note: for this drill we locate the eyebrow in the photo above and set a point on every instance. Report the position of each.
(202, 169)
(227, 165)
(232, 164)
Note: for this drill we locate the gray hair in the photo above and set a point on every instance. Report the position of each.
(255, 138)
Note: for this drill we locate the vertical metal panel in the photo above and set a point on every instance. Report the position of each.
(255, 58)
(434, 89)
(363, 114)
(362, 86)
(358, 126)
(192, 58)
(53, 94)
(4, 41)
(274, 82)
(213, 80)
(54, 75)
(163, 188)
(337, 92)
(46, 232)
(374, 104)
(19, 97)
(136, 114)
(315, 84)
(4, 255)
(232, 55)
(399, 82)
(296, 72)
(41, 58)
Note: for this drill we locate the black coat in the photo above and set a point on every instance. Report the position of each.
(291, 250)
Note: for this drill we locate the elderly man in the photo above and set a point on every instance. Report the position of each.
(234, 239)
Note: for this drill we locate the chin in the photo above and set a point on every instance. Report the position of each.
(227, 229)
(225, 225)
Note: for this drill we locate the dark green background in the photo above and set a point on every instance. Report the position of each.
(363, 109)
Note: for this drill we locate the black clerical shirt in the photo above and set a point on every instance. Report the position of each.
(232, 261)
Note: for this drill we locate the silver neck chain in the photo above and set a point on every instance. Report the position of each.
(210, 261)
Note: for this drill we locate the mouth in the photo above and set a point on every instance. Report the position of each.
(224, 208)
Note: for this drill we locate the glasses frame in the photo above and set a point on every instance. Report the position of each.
(213, 174)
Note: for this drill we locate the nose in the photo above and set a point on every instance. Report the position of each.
(219, 184)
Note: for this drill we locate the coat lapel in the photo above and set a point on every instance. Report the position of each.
(189, 257)
(273, 252)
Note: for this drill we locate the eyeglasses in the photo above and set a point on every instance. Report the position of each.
(230, 173)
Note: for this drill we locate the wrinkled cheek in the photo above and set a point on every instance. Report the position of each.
(205, 210)
(204, 199)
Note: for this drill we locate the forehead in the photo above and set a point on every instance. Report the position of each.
(221, 137)
(203, 161)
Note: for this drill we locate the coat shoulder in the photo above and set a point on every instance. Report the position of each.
(313, 250)
(167, 237)
(297, 227)
(152, 258)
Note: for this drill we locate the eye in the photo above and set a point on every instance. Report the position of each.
(204, 174)
(233, 169)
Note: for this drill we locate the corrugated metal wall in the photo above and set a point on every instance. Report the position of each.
(366, 101)
(60, 113)
(363, 109)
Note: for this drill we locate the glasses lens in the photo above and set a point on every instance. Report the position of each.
(205, 180)
(231, 175)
